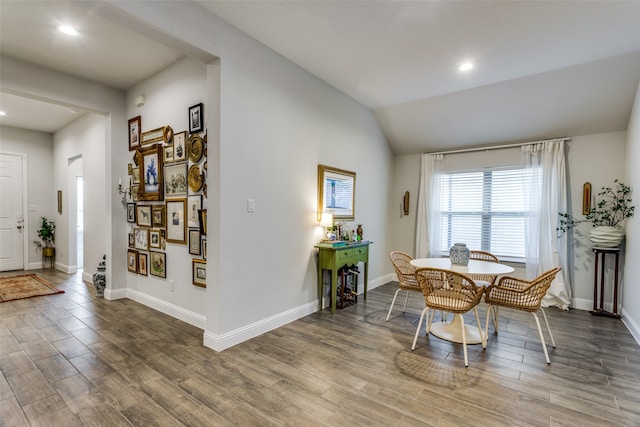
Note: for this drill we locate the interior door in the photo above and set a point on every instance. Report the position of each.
(11, 214)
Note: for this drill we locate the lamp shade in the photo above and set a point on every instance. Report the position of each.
(326, 220)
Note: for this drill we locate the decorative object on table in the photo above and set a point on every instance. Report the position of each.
(196, 118)
(359, 232)
(195, 178)
(613, 208)
(199, 273)
(151, 185)
(46, 237)
(100, 277)
(134, 133)
(459, 254)
(196, 148)
(25, 286)
(405, 203)
(336, 192)
(326, 221)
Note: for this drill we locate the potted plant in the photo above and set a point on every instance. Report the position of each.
(613, 208)
(46, 237)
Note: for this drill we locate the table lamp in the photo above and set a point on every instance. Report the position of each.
(326, 221)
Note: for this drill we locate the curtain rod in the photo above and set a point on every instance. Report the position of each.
(496, 147)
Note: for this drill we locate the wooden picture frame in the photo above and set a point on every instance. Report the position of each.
(158, 216)
(204, 247)
(202, 214)
(176, 180)
(132, 261)
(141, 236)
(194, 205)
(135, 176)
(134, 133)
(168, 153)
(176, 221)
(155, 238)
(142, 264)
(199, 272)
(163, 134)
(132, 240)
(151, 185)
(158, 264)
(59, 201)
(194, 241)
(180, 153)
(143, 216)
(336, 192)
(196, 118)
(131, 212)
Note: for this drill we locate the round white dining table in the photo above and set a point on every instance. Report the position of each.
(452, 331)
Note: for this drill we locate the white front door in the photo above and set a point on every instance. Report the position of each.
(11, 214)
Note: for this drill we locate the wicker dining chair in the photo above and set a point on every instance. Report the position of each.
(406, 277)
(452, 292)
(483, 279)
(523, 295)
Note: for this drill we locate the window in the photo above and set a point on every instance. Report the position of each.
(486, 210)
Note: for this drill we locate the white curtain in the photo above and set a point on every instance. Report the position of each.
(548, 196)
(427, 229)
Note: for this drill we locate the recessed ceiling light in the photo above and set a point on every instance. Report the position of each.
(466, 66)
(68, 30)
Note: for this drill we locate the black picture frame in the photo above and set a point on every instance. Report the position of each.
(131, 212)
(196, 118)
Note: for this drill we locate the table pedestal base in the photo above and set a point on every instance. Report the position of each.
(604, 313)
(451, 331)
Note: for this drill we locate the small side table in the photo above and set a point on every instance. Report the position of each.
(51, 258)
(598, 308)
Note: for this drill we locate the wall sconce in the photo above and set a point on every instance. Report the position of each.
(326, 221)
(121, 190)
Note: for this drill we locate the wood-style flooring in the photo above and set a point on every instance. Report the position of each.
(76, 360)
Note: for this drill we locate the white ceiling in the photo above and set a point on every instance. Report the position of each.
(543, 69)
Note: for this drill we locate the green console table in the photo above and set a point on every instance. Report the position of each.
(334, 258)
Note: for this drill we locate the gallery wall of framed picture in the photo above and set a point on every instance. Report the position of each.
(167, 196)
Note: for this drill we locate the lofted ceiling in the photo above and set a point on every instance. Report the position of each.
(542, 69)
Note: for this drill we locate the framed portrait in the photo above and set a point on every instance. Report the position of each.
(158, 264)
(199, 273)
(142, 264)
(194, 205)
(336, 192)
(196, 118)
(134, 133)
(194, 241)
(132, 240)
(143, 215)
(158, 216)
(135, 175)
(176, 222)
(175, 180)
(131, 212)
(132, 261)
(168, 153)
(202, 213)
(180, 146)
(155, 238)
(204, 247)
(151, 185)
(141, 237)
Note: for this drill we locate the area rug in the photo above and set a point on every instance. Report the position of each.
(25, 286)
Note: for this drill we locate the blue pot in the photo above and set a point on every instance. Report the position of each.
(459, 254)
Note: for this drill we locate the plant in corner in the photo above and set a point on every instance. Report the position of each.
(613, 208)
(46, 234)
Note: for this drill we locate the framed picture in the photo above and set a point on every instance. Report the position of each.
(176, 223)
(196, 118)
(164, 134)
(135, 175)
(175, 180)
(336, 192)
(202, 213)
(134, 193)
(132, 241)
(155, 239)
(151, 185)
(131, 212)
(134, 133)
(199, 273)
(132, 261)
(194, 205)
(142, 264)
(194, 241)
(180, 146)
(204, 247)
(143, 215)
(168, 153)
(158, 264)
(141, 236)
(130, 168)
(158, 216)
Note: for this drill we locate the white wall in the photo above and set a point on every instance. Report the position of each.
(38, 146)
(82, 139)
(631, 299)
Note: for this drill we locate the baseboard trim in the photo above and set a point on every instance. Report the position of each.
(229, 339)
(188, 316)
(631, 325)
(582, 304)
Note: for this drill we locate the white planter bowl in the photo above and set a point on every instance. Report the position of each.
(606, 236)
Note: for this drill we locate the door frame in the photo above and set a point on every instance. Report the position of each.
(25, 208)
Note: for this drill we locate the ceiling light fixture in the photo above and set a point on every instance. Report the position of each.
(466, 66)
(68, 30)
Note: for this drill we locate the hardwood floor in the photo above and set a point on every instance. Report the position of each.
(73, 359)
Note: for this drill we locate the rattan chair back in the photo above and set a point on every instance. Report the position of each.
(404, 270)
(486, 279)
(520, 294)
(448, 290)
